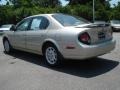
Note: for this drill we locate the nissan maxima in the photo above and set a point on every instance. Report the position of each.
(58, 37)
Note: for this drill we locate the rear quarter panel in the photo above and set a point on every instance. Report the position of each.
(65, 37)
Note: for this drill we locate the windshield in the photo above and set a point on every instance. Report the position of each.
(67, 20)
(6, 26)
(115, 21)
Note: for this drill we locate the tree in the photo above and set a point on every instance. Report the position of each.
(74, 2)
(116, 12)
(50, 3)
(29, 3)
(20, 3)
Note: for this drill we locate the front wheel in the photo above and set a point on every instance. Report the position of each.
(7, 46)
(52, 55)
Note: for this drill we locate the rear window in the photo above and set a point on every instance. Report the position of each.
(68, 20)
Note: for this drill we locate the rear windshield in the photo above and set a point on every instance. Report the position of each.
(67, 20)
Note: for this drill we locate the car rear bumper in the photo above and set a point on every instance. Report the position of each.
(89, 51)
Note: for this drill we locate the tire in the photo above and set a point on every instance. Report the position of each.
(52, 56)
(7, 46)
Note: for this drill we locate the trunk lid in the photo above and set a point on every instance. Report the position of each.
(98, 33)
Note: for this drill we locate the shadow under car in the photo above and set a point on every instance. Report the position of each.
(82, 68)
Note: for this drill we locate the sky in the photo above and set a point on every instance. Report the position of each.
(114, 2)
(64, 2)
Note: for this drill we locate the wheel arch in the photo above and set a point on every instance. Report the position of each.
(4, 38)
(49, 41)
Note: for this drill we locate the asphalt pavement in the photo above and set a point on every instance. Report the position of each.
(25, 71)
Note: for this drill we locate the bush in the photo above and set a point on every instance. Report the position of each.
(11, 14)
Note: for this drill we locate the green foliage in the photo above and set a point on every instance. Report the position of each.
(23, 8)
(83, 2)
(29, 3)
(83, 11)
(9, 14)
(116, 12)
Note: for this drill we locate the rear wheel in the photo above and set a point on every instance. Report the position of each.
(7, 46)
(52, 55)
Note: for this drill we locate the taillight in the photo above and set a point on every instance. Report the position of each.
(84, 38)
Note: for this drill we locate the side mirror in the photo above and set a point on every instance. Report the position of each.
(13, 28)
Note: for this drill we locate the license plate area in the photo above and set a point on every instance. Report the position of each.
(101, 35)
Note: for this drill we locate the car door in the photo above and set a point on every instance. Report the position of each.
(36, 33)
(19, 40)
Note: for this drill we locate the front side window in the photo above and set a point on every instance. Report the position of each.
(67, 20)
(23, 25)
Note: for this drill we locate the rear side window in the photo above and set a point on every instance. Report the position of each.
(35, 24)
(39, 23)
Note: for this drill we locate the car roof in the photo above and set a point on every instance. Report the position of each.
(43, 15)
